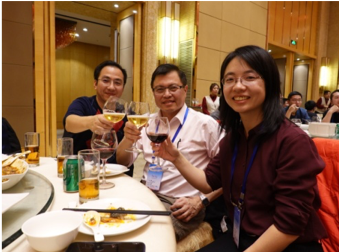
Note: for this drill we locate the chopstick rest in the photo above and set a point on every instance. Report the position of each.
(143, 212)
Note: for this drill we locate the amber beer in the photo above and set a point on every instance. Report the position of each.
(60, 160)
(64, 150)
(32, 158)
(89, 168)
(88, 189)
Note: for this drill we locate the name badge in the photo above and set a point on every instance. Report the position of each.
(154, 177)
(236, 225)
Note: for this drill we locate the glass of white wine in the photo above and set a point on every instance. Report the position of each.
(137, 113)
(114, 109)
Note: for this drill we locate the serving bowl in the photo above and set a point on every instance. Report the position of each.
(52, 231)
(11, 180)
(317, 129)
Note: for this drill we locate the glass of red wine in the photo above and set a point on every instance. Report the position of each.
(157, 131)
(106, 142)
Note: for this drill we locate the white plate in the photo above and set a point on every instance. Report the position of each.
(114, 169)
(10, 199)
(120, 228)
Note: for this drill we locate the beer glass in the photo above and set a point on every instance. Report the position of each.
(32, 142)
(89, 169)
(64, 149)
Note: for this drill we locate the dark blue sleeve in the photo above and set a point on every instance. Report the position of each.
(82, 106)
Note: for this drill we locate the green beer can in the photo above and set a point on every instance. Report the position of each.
(70, 174)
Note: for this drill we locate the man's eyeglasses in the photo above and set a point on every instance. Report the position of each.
(245, 80)
(296, 100)
(159, 90)
(108, 81)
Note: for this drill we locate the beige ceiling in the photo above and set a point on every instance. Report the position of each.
(108, 5)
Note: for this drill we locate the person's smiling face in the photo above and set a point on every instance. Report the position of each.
(245, 96)
(109, 83)
(169, 102)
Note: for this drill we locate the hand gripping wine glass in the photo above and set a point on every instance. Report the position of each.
(106, 142)
(138, 114)
(114, 109)
(157, 131)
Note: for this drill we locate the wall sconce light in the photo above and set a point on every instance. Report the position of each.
(324, 71)
(169, 32)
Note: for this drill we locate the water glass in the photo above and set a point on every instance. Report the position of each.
(32, 143)
(89, 169)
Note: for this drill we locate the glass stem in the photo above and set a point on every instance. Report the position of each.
(158, 159)
(103, 171)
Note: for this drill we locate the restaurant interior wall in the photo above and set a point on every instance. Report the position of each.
(333, 45)
(224, 26)
(17, 67)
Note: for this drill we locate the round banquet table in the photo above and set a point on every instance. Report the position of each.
(157, 234)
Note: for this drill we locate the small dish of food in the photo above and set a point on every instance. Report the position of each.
(13, 173)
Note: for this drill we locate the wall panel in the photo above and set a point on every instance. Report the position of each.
(75, 65)
(293, 21)
(242, 23)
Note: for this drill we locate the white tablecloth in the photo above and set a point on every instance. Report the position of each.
(157, 234)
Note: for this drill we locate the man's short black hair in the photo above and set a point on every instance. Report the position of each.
(293, 93)
(309, 105)
(109, 63)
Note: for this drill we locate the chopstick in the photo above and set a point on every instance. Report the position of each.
(144, 212)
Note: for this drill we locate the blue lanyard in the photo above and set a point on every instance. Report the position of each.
(180, 126)
(243, 186)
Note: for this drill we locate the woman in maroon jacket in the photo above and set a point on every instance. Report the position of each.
(267, 166)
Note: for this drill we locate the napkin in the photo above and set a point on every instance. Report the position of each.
(10, 199)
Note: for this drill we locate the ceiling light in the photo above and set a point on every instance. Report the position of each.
(76, 35)
(298, 58)
(85, 29)
(134, 11)
(269, 50)
(116, 6)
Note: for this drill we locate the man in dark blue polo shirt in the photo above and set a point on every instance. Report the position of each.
(84, 115)
(294, 109)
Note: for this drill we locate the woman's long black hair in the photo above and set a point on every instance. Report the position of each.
(263, 63)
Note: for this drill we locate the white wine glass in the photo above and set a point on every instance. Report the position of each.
(106, 142)
(157, 130)
(137, 113)
(114, 109)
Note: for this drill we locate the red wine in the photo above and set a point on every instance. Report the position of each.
(106, 152)
(158, 138)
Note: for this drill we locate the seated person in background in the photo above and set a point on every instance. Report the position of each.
(310, 107)
(196, 135)
(294, 110)
(324, 102)
(84, 115)
(10, 141)
(270, 192)
(332, 115)
(210, 103)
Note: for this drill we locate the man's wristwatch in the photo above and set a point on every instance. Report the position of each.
(204, 200)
